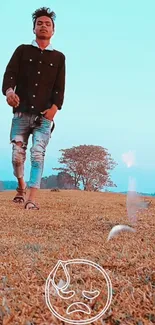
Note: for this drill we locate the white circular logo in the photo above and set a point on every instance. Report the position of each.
(78, 291)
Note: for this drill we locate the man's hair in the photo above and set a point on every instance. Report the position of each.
(43, 12)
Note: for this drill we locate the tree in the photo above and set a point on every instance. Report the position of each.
(65, 180)
(52, 181)
(49, 182)
(10, 185)
(88, 164)
(1, 186)
(43, 182)
(62, 180)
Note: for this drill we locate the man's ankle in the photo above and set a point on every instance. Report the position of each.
(22, 185)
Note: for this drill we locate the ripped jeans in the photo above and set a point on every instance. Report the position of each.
(23, 124)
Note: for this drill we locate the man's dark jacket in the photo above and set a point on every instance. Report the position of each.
(38, 77)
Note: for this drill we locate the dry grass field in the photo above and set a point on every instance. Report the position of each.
(71, 225)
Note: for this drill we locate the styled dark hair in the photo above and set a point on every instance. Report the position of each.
(43, 12)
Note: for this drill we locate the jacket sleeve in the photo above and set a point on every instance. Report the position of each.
(59, 85)
(11, 71)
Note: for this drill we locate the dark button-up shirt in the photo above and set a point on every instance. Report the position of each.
(37, 76)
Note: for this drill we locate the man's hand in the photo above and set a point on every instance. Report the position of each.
(12, 99)
(50, 112)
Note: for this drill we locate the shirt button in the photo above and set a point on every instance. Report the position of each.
(38, 72)
(30, 59)
(40, 61)
(32, 106)
(34, 95)
(36, 84)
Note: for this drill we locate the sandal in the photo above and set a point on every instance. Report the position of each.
(29, 205)
(20, 196)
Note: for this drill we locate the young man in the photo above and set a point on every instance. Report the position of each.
(34, 85)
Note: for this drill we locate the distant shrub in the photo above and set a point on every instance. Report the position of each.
(55, 190)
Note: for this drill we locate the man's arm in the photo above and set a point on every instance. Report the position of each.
(11, 72)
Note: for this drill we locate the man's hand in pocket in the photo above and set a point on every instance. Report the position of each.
(50, 112)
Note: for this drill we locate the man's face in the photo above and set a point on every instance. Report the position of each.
(44, 28)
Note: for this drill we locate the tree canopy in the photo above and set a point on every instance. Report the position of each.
(88, 164)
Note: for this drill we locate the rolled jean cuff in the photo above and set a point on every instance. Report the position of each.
(34, 185)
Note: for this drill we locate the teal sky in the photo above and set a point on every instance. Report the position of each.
(110, 81)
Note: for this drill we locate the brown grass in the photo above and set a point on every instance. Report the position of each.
(69, 225)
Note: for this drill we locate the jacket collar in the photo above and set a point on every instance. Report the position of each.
(49, 47)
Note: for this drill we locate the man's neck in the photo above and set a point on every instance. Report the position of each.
(42, 43)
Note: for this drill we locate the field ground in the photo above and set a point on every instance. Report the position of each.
(70, 225)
